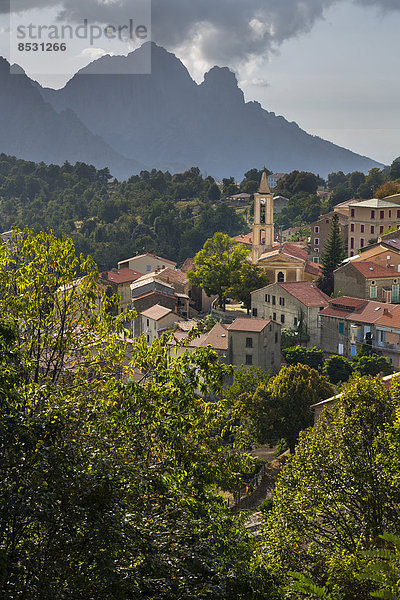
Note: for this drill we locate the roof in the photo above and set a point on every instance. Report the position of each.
(218, 337)
(156, 312)
(281, 198)
(277, 175)
(166, 275)
(244, 238)
(149, 279)
(253, 325)
(121, 276)
(374, 203)
(372, 270)
(313, 268)
(306, 293)
(356, 309)
(188, 265)
(390, 317)
(264, 187)
(240, 197)
(393, 243)
(288, 248)
(343, 218)
(147, 254)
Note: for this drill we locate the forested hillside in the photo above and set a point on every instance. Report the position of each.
(170, 215)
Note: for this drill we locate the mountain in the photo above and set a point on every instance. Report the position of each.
(167, 120)
(164, 120)
(33, 130)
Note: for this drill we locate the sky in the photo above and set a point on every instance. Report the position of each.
(329, 65)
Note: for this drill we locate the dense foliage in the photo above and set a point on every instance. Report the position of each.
(338, 494)
(170, 215)
(110, 490)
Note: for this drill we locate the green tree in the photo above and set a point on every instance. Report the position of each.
(336, 495)
(338, 369)
(299, 355)
(285, 402)
(289, 338)
(334, 252)
(109, 490)
(372, 365)
(395, 169)
(244, 281)
(216, 264)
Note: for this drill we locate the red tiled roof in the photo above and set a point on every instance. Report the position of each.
(372, 270)
(348, 301)
(242, 324)
(306, 293)
(160, 258)
(188, 265)
(218, 337)
(244, 238)
(390, 317)
(313, 268)
(121, 276)
(173, 276)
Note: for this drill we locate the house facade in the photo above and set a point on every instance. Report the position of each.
(320, 232)
(368, 280)
(156, 320)
(369, 219)
(120, 281)
(146, 263)
(255, 343)
(294, 305)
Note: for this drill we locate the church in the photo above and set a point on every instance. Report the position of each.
(281, 262)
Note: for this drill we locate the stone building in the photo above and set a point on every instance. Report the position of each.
(369, 280)
(320, 232)
(293, 305)
(255, 343)
(370, 219)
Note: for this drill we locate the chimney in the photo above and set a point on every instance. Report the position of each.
(386, 312)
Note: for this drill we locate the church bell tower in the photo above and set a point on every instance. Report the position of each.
(263, 228)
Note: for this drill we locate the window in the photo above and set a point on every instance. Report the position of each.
(372, 214)
(148, 268)
(316, 250)
(352, 228)
(254, 312)
(372, 228)
(272, 358)
(281, 277)
(373, 291)
(316, 260)
(352, 212)
(316, 241)
(148, 339)
(362, 242)
(283, 319)
(341, 328)
(281, 301)
(267, 298)
(398, 214)
(249, 342)
(274, 317)
(395, 293)
(381, 228)
(390, 214)
(276, 337)
(362, 228)
(382, 214)
(316, 229)
(340, 349)
(351, 253)
(352, 243)
(273, 300)
(148, 322)
(249, 359)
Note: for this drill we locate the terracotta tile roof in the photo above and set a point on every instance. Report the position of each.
(392, 243)
(242, 324)
(348, 302)
(173, 276)
(288, 248)
(188, 265)
(218, 337)
(307, 293)
(156, 312)
(313, 269)
(169, 296)
(390, 317)
(372, 270)
(244, 238)
(121, 276)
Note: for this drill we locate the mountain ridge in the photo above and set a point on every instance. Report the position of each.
(166, 120)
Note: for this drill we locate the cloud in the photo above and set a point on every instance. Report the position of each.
(230, 32)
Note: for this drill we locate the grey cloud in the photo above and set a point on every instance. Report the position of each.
(229, 31)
